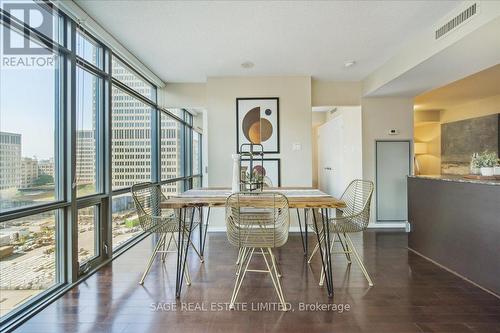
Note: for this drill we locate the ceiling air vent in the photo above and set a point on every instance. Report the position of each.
(456, 21)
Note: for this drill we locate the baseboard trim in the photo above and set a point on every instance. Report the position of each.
(392, 225)
(455, 273)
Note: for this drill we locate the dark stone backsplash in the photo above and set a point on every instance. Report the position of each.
(460, 139)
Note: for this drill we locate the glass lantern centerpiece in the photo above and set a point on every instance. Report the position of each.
(251, 167)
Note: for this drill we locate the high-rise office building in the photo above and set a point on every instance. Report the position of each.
(10, 160)
(85, 157)
(131, 124)
(46, 167)
(29, 172)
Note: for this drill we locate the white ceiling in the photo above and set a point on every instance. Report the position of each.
(187, 41)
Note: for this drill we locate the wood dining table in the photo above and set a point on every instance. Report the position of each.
(306, 199)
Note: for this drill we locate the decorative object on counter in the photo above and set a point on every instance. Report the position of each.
(475, 169)
(251, 167)
(419, 148)
(235, 185)
(486, 162)
(257, 122)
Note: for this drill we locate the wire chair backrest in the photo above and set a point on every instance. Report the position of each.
(357, 198)
(257, 219)
(147, 198)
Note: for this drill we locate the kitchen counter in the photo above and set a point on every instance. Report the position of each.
(455, 222)
(457, 178)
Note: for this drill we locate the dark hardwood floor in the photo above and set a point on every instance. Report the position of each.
(410, 295)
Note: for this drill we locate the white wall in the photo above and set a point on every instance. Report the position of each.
(335, 93)
(295, 124)
(183, 95)
(380, 115)
(472, 109)
(430, 163)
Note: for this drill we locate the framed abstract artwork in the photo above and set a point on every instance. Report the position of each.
(269, 170)
(257, 122)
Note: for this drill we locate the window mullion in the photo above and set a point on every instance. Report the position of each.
(71, 214)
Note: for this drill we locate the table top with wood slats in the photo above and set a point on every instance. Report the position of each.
(298, 197)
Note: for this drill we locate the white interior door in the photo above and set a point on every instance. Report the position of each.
(340, 151)
(331, 164)
(323, 139)
(336, 160)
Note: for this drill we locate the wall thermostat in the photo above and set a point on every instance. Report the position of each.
(393, 131)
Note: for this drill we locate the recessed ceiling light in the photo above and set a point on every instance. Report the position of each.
(349, 63)
(247, 64)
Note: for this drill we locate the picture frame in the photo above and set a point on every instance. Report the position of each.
(272, 169)
(257, 121)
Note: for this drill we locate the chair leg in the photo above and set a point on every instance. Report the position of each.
(165, 249)
(240, 251)
(245, 261)
(160, 243)
(345, 247)
(279, 289)
(358, 259)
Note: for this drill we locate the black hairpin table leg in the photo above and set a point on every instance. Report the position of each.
(326, 260)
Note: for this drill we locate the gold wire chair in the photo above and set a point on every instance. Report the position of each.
(164, 222)
(353, 218)
(257, 220)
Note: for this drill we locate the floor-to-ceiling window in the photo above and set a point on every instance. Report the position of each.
(32, 201)
(78, 127)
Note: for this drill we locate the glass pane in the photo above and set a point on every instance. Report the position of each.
(197, 182)
(89, 50)
(131, 79)
(29, 100)
(178, 112)
(188, 117)
(28, 255)
(36, 15)
(171, 148)
(125, 221)
(88, 219)
(88, 92)
(196, 153)
(131, 140)
(172, 189)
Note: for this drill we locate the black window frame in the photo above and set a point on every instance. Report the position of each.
(69, 271)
